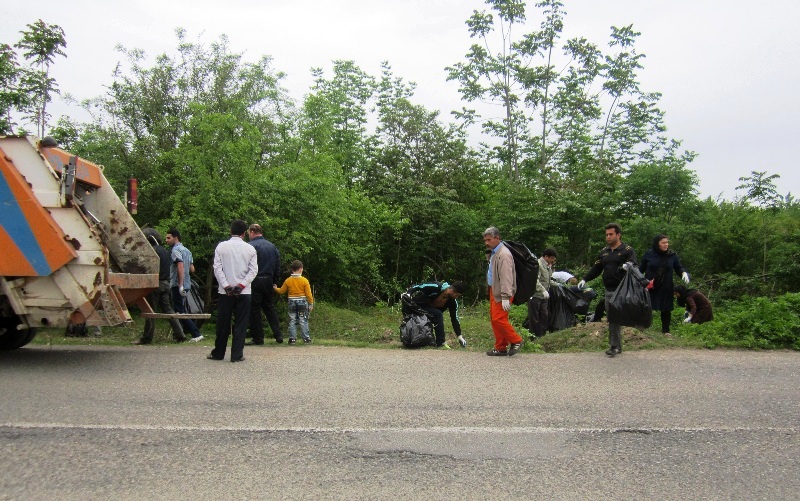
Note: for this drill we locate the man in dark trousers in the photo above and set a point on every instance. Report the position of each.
(235, 267)
(613, 261)
(434, 298)
(159, 298)
(263, 296)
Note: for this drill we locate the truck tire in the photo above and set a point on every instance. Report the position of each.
(12, 338)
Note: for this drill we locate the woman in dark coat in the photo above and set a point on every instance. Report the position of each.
(658, 264)
(697, 305)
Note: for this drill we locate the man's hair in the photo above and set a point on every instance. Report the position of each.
(614, 226)
(174, 232)
(459, 287)
(238, 227)
(550, 252)
(256, 228)
(296, 265)
(492, 232)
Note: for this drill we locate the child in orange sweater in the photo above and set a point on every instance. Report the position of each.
(301, 302)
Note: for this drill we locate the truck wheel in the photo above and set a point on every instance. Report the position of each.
(12, 338)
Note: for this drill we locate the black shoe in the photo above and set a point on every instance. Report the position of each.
(495, 353)
(253, 343)
(212, 357)
(180, 339)
(240, 359)
(611, 352)
(279, 340)
(293, 341)
(514, 348)
(140, 342)
(307, 341)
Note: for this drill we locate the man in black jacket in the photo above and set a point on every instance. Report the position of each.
(263, 297)
(612, 262)
(434, 298)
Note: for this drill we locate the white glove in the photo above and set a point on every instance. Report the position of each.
(546, 295)
(627, 266)
(462, 341)
(182, 290)
(687, 319)
(506, 305)
(582, 284)
(685, 277)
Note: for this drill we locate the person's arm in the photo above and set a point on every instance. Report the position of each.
(179, 267)
(691, 306)
(644, 263)
(307, 292)
(276, 266)
(252, 269)
(452, 305)
(219, 273)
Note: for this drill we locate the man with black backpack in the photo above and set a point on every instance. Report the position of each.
(502, 281)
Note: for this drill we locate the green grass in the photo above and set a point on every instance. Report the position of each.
(378, 327)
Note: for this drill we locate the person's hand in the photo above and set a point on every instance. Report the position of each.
(228, 290)
(685, 277)
(237, 290)
(181, 290)
(506, 305)
(687, 319)
(582, 284)
(546, 295)
(462, 341)
(627, 266)
(310, 307)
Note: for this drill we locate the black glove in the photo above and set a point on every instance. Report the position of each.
(237, 290)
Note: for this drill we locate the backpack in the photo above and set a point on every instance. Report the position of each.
(526, 267)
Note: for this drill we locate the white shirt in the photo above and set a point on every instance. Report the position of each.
(562, 276)
(235, 263)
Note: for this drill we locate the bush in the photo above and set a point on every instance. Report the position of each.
(754, 323)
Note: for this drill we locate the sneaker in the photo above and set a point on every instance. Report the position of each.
(307, 341)
(180, 339)
(495, 353)
(462, 341)
(668, 334)
(613, 351)
(514, 348)
(140, 342)
(196, 339)
(279, 340)
(444, 346)
(293, 341)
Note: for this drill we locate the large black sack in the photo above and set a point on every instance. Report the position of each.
(416, 329)
(562, 306)
(630, 303)
(526, 267)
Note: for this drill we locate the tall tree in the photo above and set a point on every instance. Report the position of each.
(761, 190)
(41, 43)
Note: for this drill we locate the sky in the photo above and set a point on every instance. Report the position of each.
(726, 69)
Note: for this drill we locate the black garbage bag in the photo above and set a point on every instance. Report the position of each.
(562, 305)
(630, 303)
(416, 329)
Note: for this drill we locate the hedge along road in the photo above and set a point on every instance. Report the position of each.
(314, 422)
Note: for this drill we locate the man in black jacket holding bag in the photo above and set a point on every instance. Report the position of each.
(614, 260)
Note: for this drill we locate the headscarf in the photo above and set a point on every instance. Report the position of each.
(683, 293)
(656, 247)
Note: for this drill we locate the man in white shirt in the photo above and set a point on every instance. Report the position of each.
(235, 267)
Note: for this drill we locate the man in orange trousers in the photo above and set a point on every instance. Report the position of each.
(502, 282)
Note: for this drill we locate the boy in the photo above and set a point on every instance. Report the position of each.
(301, 302)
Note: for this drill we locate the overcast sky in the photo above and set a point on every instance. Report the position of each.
(727, 69)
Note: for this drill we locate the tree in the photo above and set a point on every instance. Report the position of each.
(761, 190)
(41, 43)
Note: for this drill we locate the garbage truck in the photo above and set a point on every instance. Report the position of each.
(70, 252)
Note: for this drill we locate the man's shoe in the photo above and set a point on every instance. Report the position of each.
(307, 341)
(495, 353)
(253, 343)
(240, 359)
(212, 357)
(462, 341)
(180, 339)
(140, 342)
(444, 346)
(611, 352)
(279, 340)
(514, 348)
(293, 341)
(196, 339)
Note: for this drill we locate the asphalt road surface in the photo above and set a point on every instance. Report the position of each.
(313, 422)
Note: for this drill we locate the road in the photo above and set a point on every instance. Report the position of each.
(315, 422)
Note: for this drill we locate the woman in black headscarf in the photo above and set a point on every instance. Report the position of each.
(697, 305)
(658, 264)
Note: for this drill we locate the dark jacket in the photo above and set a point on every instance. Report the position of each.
(425, 294)
(659, 267)
(269, 259)
(698, 306)
(609, 263)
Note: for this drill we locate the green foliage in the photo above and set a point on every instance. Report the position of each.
(755, 323)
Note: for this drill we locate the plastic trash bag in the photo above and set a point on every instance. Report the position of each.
(630, 303)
